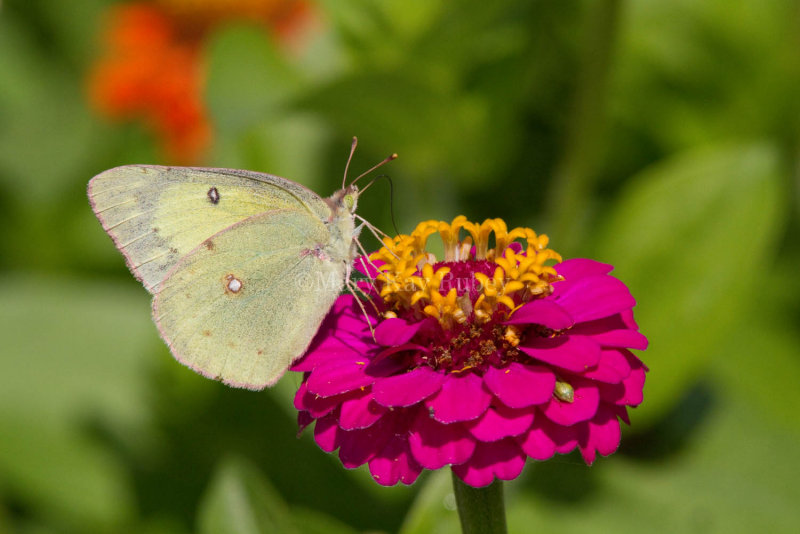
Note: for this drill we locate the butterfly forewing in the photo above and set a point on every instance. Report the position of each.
(247, 301)
(156, 215)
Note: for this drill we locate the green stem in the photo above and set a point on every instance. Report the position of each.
(481, 510)
(576, 169)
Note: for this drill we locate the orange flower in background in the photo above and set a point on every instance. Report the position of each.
(152, 69)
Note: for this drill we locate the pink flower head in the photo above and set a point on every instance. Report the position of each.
(478, 361)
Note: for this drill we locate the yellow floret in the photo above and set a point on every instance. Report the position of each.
(407, 280)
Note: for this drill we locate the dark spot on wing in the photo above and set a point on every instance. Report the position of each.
(259, 352)
(207, 333)
(173, 250)
(155, 230)
(209, 244)
(213, 195)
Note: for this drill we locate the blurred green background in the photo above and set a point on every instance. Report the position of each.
(661, 137)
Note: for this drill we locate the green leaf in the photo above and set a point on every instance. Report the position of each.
(72, 354)
(760, 363)
(43, 113)
(310, 521)
(738, 475)
(60, 472)
(436, 131)
(247, 77)
(690, 237)
(434, 509)
(240, 501)
(249, 86)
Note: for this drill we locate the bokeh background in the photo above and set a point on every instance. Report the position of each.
(661, 137)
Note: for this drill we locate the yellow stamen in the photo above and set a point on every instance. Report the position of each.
(512, 335)
(409, 281)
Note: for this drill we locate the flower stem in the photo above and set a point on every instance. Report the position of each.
(481, 510)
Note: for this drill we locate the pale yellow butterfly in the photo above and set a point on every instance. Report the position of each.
(243, 266)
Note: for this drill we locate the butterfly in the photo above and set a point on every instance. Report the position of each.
(243, 266)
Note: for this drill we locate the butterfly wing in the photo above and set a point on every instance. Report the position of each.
(155, 215)
(248, 300)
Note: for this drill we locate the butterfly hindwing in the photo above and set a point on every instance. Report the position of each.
(155, 215)
(247, 301)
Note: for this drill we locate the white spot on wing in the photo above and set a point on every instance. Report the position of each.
(232, 284)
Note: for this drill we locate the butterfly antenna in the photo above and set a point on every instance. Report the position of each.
(384, 162)
(391, 198)
(350, 157)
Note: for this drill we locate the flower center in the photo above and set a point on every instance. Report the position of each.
(479, 283)
(469, 346)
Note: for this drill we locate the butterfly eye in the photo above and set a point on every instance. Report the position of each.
(564, 392)
(349, 201)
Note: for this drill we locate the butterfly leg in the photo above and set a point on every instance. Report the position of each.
(353, 288)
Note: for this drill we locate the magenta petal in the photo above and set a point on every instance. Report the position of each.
(435, 445)
(595, 297)
(298, 396)
(303, 420)
(622, 413)
(612, 368)
(379, 368)
(502, 459)
(392, 332)
(462, 397)
(344, 334)
(573, 353)
(582, 408)
(544, 312)
(333, 378)
(326, 433)
(412, 347)
(318, 406)
(520, 386)
(329, 350)
(537, 444)
(500, 422)
(357, 447)
(612, 393)
(394, 463)
(634, 388)
(627, 318)
(613, 331)
(407, 388)
(577, 268)
(630, 391)
(629, 339)
(360, 412)
(601, 434)
(565, 437)
(546, 438)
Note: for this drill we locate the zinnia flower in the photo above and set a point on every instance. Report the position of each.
(152, 68)
(479, 361)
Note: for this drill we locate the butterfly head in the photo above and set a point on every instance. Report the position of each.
(350, 198)
(345, 200)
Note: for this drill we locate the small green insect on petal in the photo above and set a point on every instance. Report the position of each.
(564, 392)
